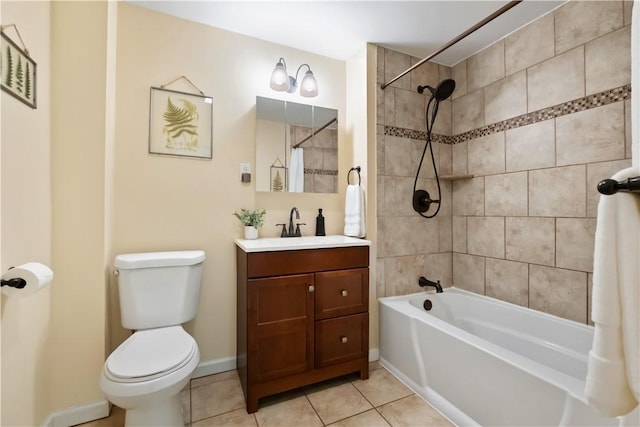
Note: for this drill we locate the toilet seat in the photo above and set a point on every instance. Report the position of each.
(150, 354)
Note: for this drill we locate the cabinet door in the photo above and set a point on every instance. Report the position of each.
(341, 292)
(280, 326)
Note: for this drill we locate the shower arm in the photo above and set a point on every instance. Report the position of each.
(471, 30)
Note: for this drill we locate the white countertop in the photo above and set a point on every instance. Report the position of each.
(268, 244)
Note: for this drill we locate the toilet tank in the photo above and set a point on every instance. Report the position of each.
(158, 289)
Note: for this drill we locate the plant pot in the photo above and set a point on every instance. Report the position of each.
(250, 232)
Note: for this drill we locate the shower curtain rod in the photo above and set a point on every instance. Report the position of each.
(479, 25)
(321, 128)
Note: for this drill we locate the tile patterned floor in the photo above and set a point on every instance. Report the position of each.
(382, 400)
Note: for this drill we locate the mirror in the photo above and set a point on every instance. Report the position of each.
(287, 132)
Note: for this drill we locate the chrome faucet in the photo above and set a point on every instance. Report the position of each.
(423, 281)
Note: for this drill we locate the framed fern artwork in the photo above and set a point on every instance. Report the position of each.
(18, 72)
(180, 124)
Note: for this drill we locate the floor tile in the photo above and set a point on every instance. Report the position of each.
(374, 365)
(381, 387)
(222, 376)
(367, 419)
(237, 418)
(338, 402)
(289, 413)
(216, 398)
(115, 419)
(413, 411)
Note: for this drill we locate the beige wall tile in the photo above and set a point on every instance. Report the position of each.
(486, 236)
(398, 156)
(380, 152)
(627, 9)
(380, 64)
(575, 242)
(446, 234)
(442, 124)
(381, 289)
(402, 273)
(558, 192)
(486, 154)
(531, 147)
(468, 197)
(556, 80)
(459, 74)
(400, 236)
(438, 267)
(389, 106)
(591, 136)
(486, 66)
(398, 196)
(394, 64)
(520, 52)
(444, 72)
(380, 196)
(596, 172)
(459, 225)
(506, 98)
(468, 272)
(578, 22)
(445, 159)
(380, 97)
(409, 109)
(467, 112)
(506, 194)
(627, 128)
(530, 239)
(508, 281)
(426, 74)
(459, 156)
(559, 292)
(608, 61)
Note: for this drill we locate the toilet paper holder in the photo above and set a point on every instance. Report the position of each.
(16, 282)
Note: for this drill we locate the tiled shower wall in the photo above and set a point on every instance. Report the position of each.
(538, 119)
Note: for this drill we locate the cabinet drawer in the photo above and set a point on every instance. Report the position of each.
(341, 339)
(279, 263)
(342, 292)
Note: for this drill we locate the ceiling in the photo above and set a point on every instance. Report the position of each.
(339, 29)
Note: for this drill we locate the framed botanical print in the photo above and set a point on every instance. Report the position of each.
(180, 124)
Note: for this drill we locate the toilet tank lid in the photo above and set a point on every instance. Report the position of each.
(159, 259)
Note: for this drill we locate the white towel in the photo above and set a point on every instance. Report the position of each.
(296, 171)
(354, 220)
(613, 376)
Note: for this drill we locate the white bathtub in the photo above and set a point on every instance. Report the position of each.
(481, 361)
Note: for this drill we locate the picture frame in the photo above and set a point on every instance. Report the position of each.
(180, 123)
(17, 72)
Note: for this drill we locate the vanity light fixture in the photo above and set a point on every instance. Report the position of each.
(281, 81)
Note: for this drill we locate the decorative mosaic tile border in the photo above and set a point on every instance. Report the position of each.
(320, 171)
(618, 94)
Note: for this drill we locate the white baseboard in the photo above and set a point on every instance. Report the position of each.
(78, 414)
(374, 354)
(215, 366)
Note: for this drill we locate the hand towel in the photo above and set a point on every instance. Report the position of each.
(613, 378)
(354, 224)
(296, 171)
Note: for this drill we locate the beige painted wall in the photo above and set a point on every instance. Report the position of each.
(26, 225)
(171, 203)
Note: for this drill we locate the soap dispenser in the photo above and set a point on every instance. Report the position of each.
(320, 224)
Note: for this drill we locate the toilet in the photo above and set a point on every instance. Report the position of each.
(159, 291)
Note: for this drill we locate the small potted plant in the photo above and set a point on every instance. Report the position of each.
(252, 221)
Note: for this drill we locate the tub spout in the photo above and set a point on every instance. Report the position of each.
(423, 281)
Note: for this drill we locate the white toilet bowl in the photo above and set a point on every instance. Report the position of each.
(146, 374)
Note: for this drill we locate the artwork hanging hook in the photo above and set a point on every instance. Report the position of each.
(182, 77)
(15, 27)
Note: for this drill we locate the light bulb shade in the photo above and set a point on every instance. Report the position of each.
(309, 85)
(279, 78)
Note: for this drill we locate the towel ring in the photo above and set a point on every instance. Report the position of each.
(357, 169)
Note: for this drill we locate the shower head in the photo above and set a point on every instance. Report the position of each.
(442, 92)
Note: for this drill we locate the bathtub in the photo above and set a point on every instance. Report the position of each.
(481, 361)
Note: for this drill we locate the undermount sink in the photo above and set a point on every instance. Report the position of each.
(293, 243)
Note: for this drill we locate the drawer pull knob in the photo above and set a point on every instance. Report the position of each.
(344, 292)
(312, 288)
(344, 340)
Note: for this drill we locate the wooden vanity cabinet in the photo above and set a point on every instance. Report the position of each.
(303, 317)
